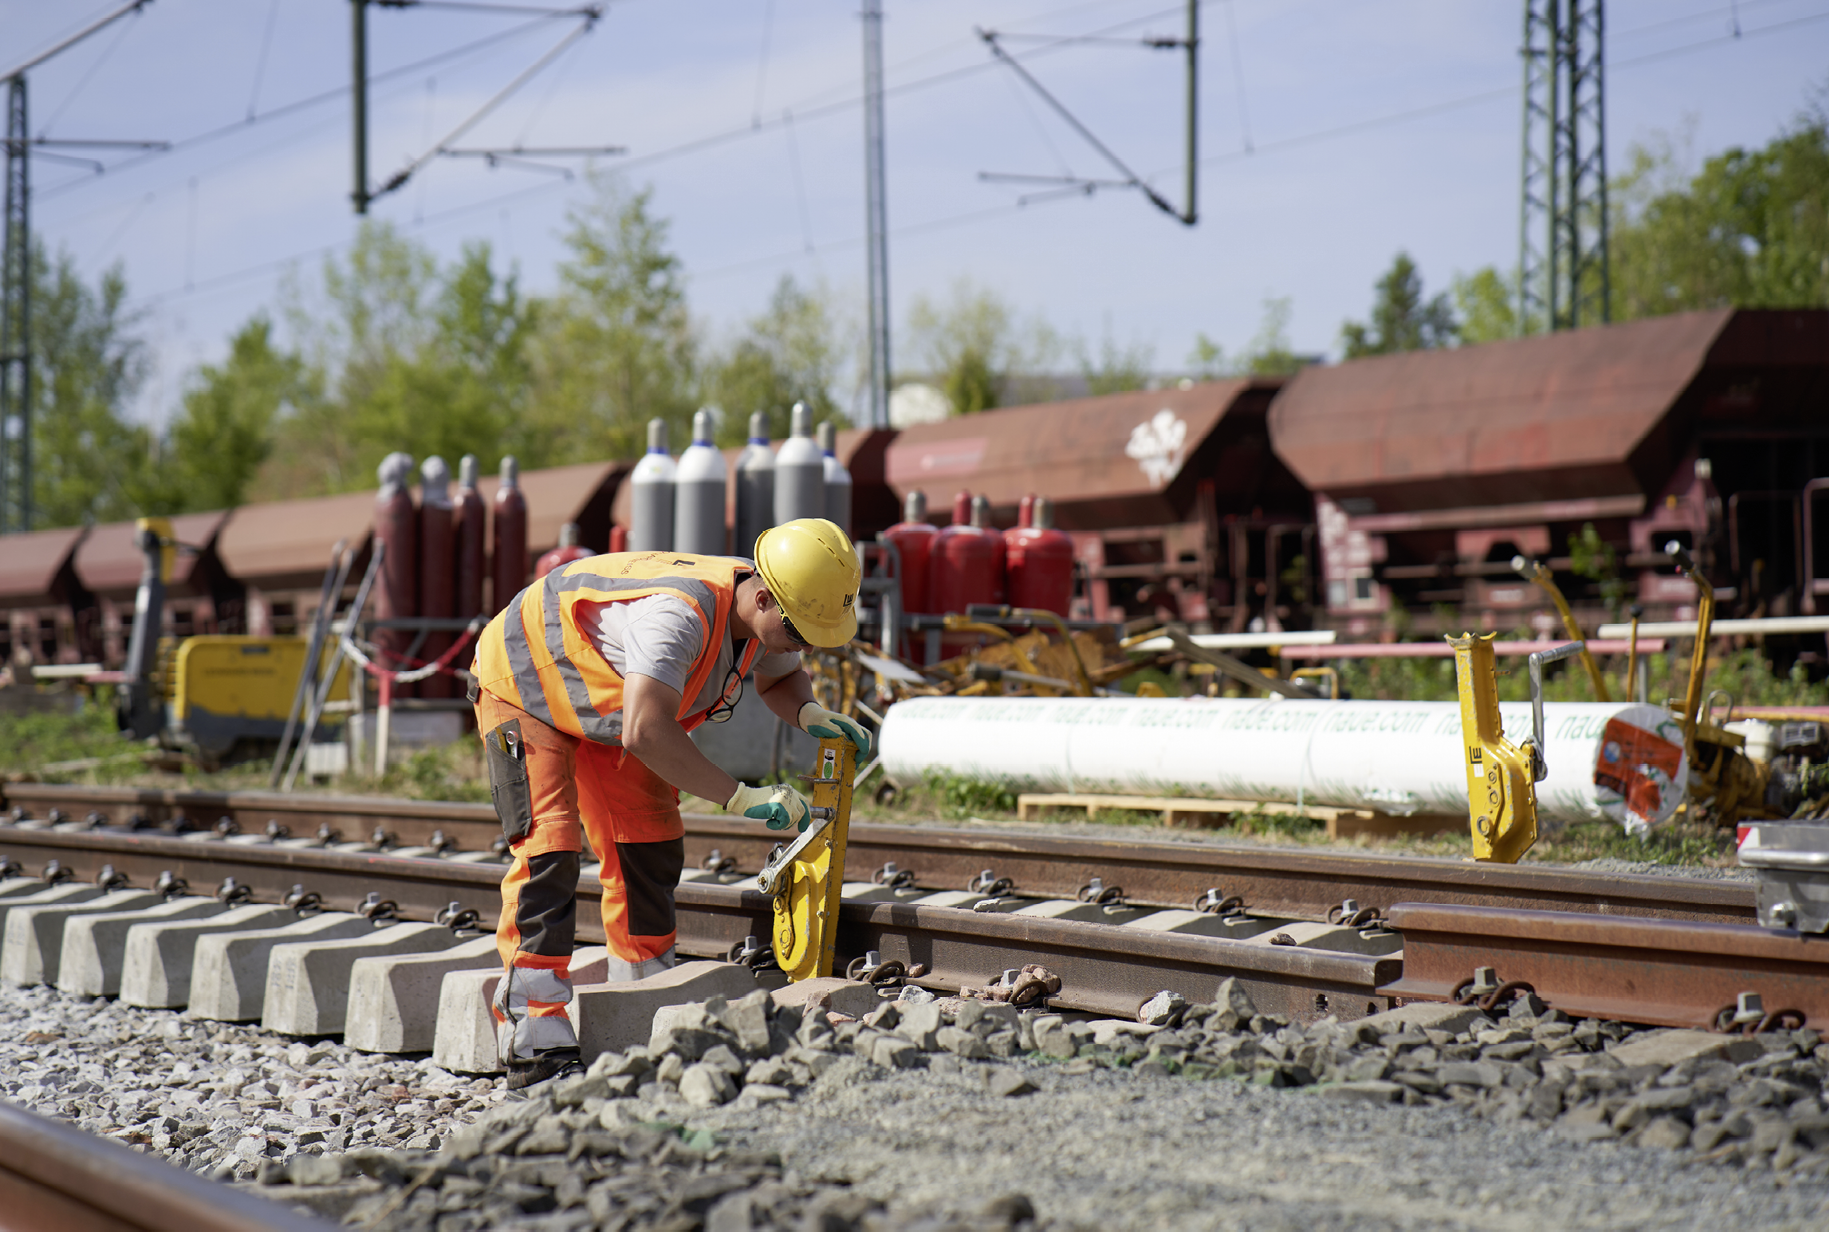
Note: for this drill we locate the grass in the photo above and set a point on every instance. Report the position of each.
(34, 743)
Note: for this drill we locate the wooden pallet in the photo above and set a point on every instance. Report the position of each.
(1342, 822)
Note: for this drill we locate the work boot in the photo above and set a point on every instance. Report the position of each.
(546, 1066)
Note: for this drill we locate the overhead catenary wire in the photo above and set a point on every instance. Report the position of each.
(108, 50)
(260, 62)
(491, 43)
(526, 75)
(950, 221)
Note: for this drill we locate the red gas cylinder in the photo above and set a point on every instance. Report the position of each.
(1038, 563)
(913, 539)
(1025, 511)
(619, 539)
(397, 532)
(567, 551)
(472, 540)
(981, 520)
(962, 507)
(510, 565)
(437, 569)
(964, 568)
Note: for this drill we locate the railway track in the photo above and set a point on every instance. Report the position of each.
(1304, 930)
(1298, 884)
(54, 1177)
(1290, 927)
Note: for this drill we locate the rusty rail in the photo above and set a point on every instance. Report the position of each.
(1600, 966)
(54, 1177)
(1106, 970)
(1290, 882)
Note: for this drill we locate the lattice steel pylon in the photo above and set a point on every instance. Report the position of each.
(1562, 246)
(15, 321)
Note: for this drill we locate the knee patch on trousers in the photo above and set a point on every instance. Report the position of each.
(546, 905)
(650, 871)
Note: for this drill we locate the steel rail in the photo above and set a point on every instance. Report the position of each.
(56, 1177)
(1637, 969)
(1599, 966)
(1105, 969)
(1295, 883)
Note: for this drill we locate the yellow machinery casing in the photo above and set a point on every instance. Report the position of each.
(224, 688)
(806, 898)
(1501, 788)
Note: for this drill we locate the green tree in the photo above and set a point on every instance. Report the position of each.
(231, 412)
(1750, 229)
(87, 361)
(1269, 354)
(1402, 319)
(974, 346)
(788, 353)
(374, 314)
(1488, 306)
(1117, 367)
(619, 346)
(465, 388)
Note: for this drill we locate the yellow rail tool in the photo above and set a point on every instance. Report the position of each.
(1719, 772)
(804, 876)
(1542, 577)
(1502, 776)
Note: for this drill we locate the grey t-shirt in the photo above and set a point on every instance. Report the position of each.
(660, 636)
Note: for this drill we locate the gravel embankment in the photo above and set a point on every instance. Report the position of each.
(216, 1097)
(735, 1118)
(970, 1115)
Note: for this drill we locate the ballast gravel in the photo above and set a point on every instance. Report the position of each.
(968, 1114)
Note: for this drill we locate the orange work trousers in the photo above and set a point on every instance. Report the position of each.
(579, 789)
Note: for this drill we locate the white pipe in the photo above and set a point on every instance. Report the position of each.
(1720, 627)
(1241, 640)
(1401, 757)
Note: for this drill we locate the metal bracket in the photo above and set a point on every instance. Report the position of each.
(1540, 769)
(783, 857)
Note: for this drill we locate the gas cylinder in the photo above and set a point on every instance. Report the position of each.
(1025, 511)
(962, 507)
(698, 494)
(509, 568)
(800, 472)
(913, 539)
(964, 568)
(755, 487)
(1038, 563)
(437, 569)
(651, 494)
(567, 551)
(838, 480)
(981, 519)
(397, 529)
(619, 539)
(472, 540)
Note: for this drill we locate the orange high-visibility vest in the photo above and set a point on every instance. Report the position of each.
(533, 655)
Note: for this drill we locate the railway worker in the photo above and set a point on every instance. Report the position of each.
(586, 687)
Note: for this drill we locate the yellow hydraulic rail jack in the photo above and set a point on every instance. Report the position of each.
(804, 876)
(1502, 776)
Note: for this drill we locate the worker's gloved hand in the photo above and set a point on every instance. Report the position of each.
(823, 723)
(779, 806)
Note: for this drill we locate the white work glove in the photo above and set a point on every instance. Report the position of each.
(779, 806)
(823, 723)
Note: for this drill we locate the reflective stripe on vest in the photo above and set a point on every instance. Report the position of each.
(533, 655)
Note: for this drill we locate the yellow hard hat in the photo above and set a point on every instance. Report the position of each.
(812, 570)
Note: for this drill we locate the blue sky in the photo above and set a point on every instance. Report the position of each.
(1333, 134)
